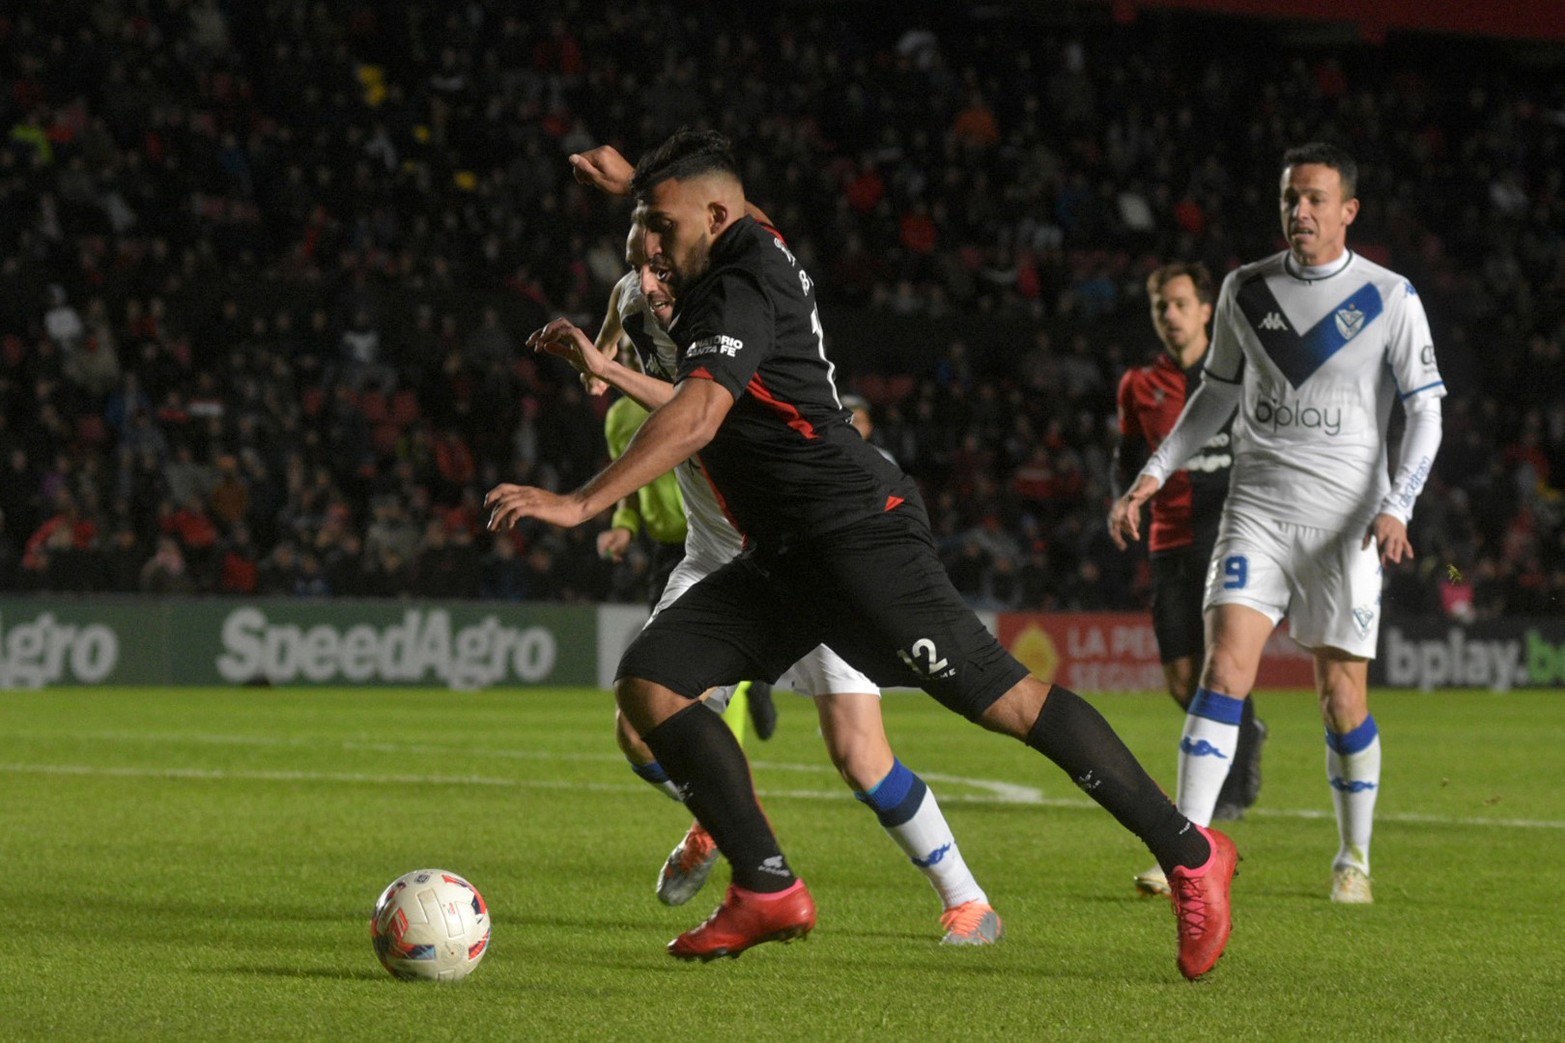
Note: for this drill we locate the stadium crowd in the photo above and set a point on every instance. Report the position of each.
(265, 271)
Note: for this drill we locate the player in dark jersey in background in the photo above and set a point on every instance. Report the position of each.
(1186, 510)
(838, 550)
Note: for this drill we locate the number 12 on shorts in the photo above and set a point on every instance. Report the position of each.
(1236, 572)
(924, 660)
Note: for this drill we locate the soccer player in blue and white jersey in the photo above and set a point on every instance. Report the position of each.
(1313, 345)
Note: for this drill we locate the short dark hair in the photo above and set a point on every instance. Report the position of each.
(1197, 272)
(686, 154)
(1327, 155)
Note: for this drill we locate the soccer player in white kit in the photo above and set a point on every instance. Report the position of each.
(847, 702)
(1313, 345)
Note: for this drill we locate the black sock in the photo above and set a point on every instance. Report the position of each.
(1072, 734)
(703, 758)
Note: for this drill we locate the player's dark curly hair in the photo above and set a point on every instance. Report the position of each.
(686, 154)
(1327, 155)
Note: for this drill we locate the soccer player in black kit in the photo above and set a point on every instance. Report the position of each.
(838, 551)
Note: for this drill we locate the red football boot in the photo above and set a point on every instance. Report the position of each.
(1201, 905)
(748, 918)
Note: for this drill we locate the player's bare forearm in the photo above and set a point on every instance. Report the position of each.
(607, 340)
(649, 392)
(669, 437)
(603, 168)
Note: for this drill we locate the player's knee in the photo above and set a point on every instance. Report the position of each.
(857, 747)
(645, 704)
(862, 763)
(630, 743)
(1228, 670)
(1015, 712)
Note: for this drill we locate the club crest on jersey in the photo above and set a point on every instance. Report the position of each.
(722, 344)
(1350, 320)
(1363, 617)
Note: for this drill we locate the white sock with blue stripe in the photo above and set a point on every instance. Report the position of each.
(908, 811)
(1353, 768)
(1206, 752)
(653, 774)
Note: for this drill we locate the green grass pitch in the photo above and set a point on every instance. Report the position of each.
(200, 865)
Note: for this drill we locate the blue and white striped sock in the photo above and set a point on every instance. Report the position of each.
(1206, 752)
(1353, 768)
(907, 810)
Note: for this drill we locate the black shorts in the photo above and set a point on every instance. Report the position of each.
(1178, 589)
(874, 591)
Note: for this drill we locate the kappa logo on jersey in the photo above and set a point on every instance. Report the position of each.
(722, 344)
(1298, 355)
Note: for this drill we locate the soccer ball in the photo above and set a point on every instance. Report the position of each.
(430, 924)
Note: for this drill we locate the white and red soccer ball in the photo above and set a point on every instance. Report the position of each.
(430, 924)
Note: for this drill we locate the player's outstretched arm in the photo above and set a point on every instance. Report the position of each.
(1125, 515)
(563, 339)
(607, 341)
(670, 436)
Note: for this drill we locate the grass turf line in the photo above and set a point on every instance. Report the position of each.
(200, 864)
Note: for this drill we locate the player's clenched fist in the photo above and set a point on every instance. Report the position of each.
(509, 504)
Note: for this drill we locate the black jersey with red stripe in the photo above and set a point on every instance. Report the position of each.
(1187, 508)
(787, 460)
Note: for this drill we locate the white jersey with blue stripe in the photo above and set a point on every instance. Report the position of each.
(709, 536)
(1320, 355)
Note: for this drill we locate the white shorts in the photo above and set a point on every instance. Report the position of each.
(820, 672)
(1323, 580)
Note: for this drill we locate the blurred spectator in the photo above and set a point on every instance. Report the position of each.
(164, 572)
(324, 317)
